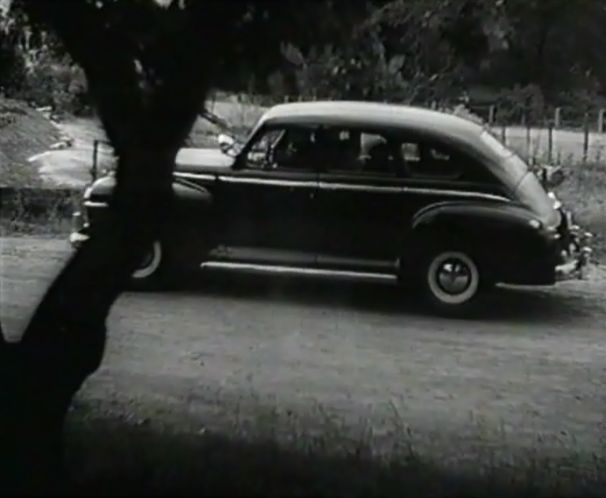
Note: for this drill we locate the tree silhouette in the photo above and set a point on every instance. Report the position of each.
(149, 67)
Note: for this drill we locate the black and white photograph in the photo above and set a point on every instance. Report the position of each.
(303, 248)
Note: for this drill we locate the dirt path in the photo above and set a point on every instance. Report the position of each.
(223, 349)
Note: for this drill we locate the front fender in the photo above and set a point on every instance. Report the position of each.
(187, 227)
(191, 201)
(185, 192)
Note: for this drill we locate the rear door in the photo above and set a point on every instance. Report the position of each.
(362, 209)
(367, 204)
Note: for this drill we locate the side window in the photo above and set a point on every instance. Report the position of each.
(411, 153)
(258, 155)
(366, 153)
(437, 162)
(282, 148)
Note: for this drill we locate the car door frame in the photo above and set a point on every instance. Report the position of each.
(267, 187)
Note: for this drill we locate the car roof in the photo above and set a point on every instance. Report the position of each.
(374, 114)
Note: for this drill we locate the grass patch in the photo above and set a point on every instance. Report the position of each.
(584, 192)
(19, 176)
(112, 456)
(37, 211)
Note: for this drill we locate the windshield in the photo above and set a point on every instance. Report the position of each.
(235, 148)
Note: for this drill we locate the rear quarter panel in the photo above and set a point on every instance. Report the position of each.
(498, 234)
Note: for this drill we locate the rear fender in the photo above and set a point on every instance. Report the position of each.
(497, 234)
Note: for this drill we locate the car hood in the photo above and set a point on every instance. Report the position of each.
(192, 160)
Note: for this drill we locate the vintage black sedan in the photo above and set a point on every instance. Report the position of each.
(361, 189)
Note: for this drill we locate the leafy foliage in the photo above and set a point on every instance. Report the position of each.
(399, 50)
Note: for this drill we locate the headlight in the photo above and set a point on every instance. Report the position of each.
(87, 193)
(556, 202)
(536, 224)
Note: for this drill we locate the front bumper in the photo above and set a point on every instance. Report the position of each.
(79, 233)
(576, 256)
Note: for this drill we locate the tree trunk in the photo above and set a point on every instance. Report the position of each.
(147, 115)
(65, 340)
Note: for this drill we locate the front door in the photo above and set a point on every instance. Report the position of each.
(266, 206)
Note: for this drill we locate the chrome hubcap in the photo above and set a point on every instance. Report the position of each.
(454, 276)
(147, 260)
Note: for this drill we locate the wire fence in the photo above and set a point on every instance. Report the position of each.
(556, 135)
(563, 135)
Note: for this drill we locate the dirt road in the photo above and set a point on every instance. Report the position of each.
(532, 368)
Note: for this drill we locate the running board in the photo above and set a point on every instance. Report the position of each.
(295, 270)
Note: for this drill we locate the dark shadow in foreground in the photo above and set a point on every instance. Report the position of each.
(112, 457)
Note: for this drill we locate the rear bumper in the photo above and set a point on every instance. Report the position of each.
(564, 254)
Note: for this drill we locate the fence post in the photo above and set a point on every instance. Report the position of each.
(491, 114)
(585, 137)
(601, 115)
(557, 118)
(550, 143)
(527, 123)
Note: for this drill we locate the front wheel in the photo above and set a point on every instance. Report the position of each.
(148, 273)
(451, 281)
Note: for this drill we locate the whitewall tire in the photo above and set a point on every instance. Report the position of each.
(150, 266)
(452, 280)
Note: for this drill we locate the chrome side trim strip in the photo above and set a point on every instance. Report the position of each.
(410, 190)
(351, 187)
(293, 270)
(360, 188)
(455, 193)
(195, 176)
(93, 204)
(268, 181)
(184, 182)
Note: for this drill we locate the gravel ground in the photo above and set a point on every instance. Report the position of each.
(530, 371)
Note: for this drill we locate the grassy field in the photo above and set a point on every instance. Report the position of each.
(23, 133)
(584, 192)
